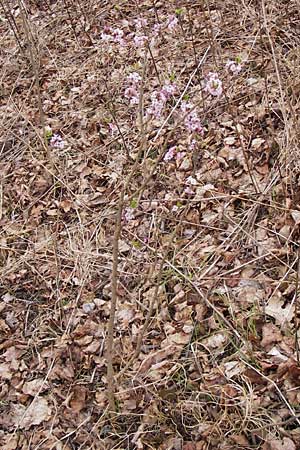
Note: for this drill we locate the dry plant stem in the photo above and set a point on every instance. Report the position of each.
(112, 112)
(114, 286)
(114, 275)
(285, 401)
(146, 324)
(296, 317)
(34, 58)
(12, 24)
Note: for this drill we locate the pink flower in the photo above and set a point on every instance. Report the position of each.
(233, 67)
(191, 181)
(168, 90)
(140, 40)
(129, 214)
(57, 142)
(189, 191)
(193, 144)
(170, 154)
(159, 100)
(157, 29)
(180, 156)
(193, 123)
(113, 128)
(172, 23)
(192, 120)
(134, 78)
(185, 106)
(214, 84)
(132, 95)
(113, 35)
(140, 23)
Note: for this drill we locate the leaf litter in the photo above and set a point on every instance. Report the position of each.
(205, 350)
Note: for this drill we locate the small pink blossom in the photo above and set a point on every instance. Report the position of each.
(191, 181)
(113, 35)
(156, 108)
(113, 128)
(192, 144)
(193, 123)
(185, 106)
(214, 84)
(189, 191)
(172, 23)
(106, 37)
(140, 40)
(168, 90)
(57, 142)
(180, 156)
(170, 154)
(192, 120)
(134, 78)
(140, 23)
(159, 100)
(157, 29)
(233, 67)
(129, 214)
(132, 94)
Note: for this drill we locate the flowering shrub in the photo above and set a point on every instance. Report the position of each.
(159, 100)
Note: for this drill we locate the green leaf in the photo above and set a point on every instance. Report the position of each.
(178, 11)
(133, 203)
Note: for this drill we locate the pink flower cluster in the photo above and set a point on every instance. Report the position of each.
(131, 93)
(57, 141)
(214, 84)
(128, 214)
(172, 23)
(139, 36)
(192, 120)
(115, 35)
(173, 153)
(159, 100)
(234, 67)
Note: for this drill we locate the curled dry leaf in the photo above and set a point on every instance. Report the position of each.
(216, 341)
(276, 309)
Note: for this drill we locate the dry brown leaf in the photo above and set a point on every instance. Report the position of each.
(275, 308)
(270, 334)
(5, 371)
(36, 413)
(34, 386)
(276, 444)
(216, 341)
(78, 400)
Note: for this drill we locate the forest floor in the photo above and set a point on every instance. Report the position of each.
(149, 225)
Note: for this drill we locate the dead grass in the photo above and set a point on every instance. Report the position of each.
(203, 343)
